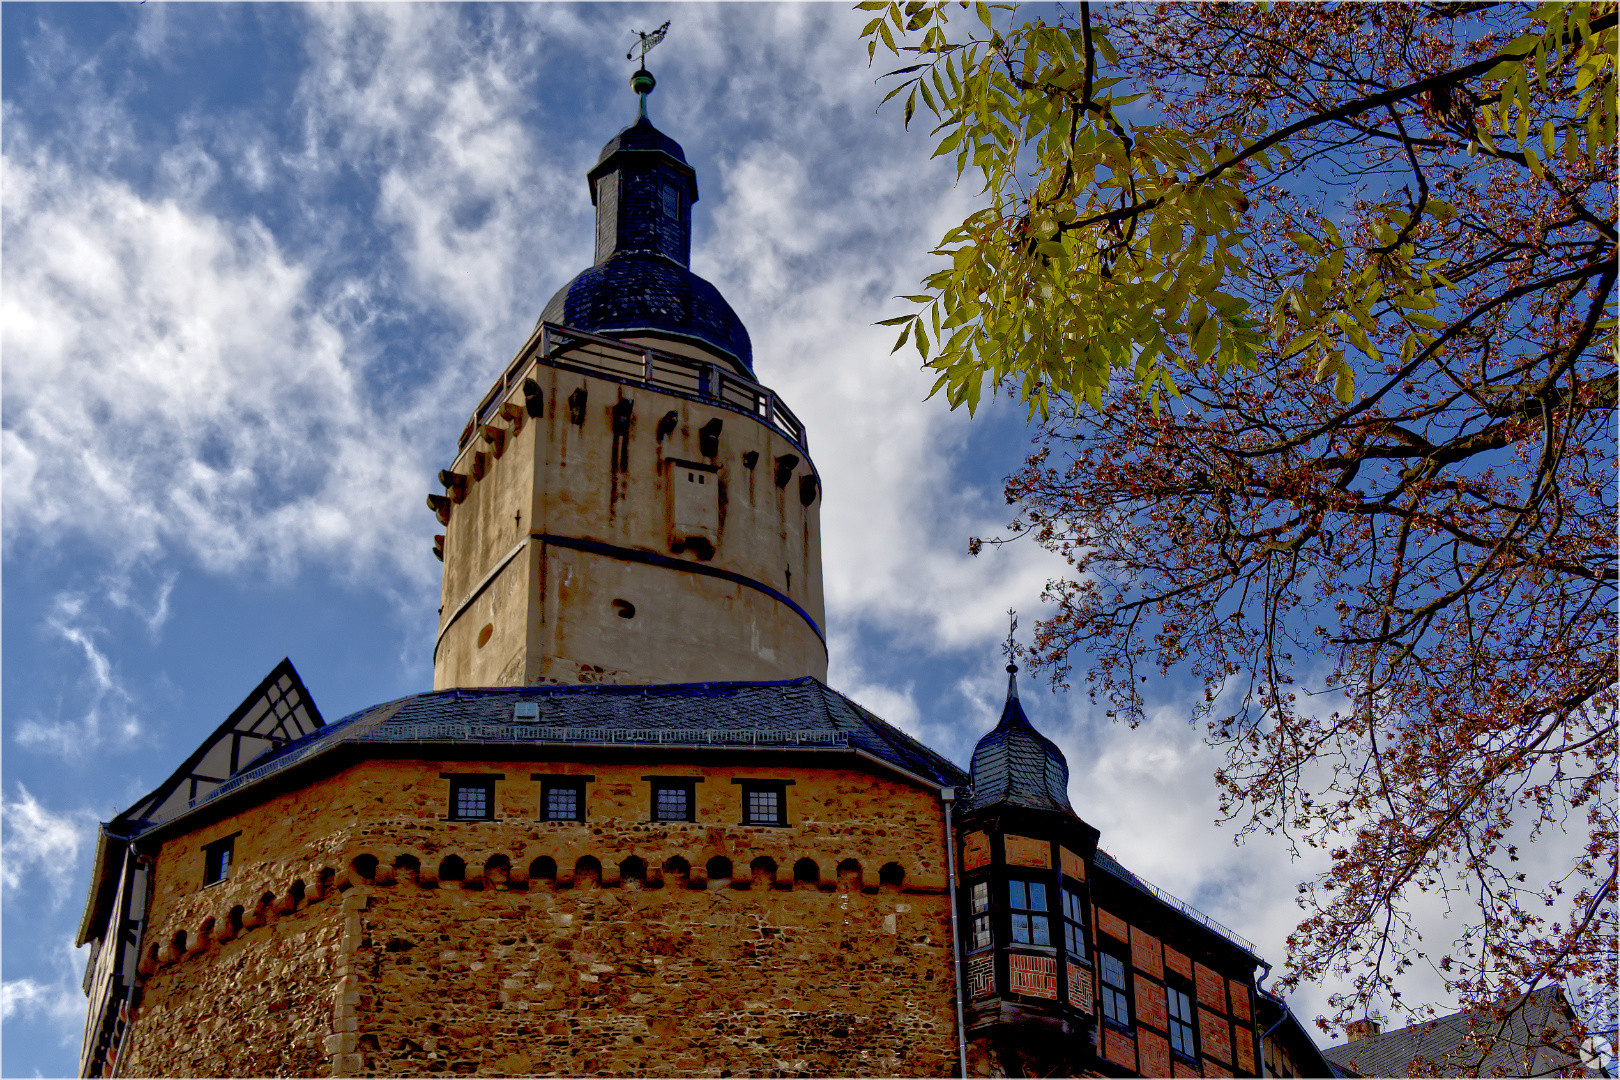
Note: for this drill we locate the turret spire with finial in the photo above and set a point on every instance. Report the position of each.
(1015, 764)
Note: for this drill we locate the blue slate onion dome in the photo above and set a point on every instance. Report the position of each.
(1016, 765)
(643, 191)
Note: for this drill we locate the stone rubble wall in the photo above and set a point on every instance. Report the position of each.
(334, 947)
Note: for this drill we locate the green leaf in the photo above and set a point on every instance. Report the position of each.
(1301, 342)
(1344, 385)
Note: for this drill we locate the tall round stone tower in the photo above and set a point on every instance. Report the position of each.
(627, 503)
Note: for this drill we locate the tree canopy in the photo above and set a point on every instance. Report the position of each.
(1316, 307)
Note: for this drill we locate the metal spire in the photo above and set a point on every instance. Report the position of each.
(1009, 649)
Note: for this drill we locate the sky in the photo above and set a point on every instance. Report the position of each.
(259, 264)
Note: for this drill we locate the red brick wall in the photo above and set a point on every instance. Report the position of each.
(1151, 1007)
(1119, 1048)
(975, 850)
(1112, 925)
(981, 976)
(1178, 962)
(1035, 975)
(1023, 851)
(1212, 1069)
(1072, 864)
(1211, 988)
(1146, 954)
(1155, 1051)
(1186, 1071)
(1240, 999)
(1243, 1047)
(1214, 1035)
(1080, 989)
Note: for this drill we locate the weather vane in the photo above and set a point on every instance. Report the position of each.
(647, 42)
(1010, 648)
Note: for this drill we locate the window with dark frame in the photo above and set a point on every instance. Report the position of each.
(764, 802)
(673, 799)
(562, 800)
(1074, 923)
(1181, 1023)
(217, 860)
(1031, 922)
(979, 897)
(472, 798)
(1116, 1006)
(670, 197)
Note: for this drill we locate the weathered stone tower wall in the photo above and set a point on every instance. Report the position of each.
(361, 932)
(602, 531)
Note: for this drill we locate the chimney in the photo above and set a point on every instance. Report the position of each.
(1358, 1030)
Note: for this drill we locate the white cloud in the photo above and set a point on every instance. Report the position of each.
(108, 709)
(171, 385)
(60, 1002)
(51, 999)
(41, 845)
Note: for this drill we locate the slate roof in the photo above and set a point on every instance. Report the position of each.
(641, 135)
(800, 713)
(641, 291)
(1018, 766)
(1454, 1043)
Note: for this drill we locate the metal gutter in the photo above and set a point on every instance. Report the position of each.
(947, 796)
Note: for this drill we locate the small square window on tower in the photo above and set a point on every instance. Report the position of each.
(562, 800)
(674, 798)
(217, 859)
(472, 798)
(764, 802)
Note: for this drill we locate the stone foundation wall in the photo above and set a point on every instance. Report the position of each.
(670, 981)
(361, 931)
(257, 1005)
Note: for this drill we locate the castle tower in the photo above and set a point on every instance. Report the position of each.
(628, 504)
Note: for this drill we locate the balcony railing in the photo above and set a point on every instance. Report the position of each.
(603, 357)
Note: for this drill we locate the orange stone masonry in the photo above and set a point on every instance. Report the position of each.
(353, 957)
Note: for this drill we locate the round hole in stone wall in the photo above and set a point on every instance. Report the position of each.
(624, 609)
(484, 634)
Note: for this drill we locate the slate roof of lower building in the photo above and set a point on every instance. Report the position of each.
(1477, 1042)
(799, 713)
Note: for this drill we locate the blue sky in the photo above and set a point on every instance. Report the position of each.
(259, 264)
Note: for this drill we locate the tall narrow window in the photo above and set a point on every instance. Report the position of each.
(1115, 1005)
(1181, 1024)
(1031, 924)
(1074, 924)
(979, 896)
(217, 860)
(670, 196)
